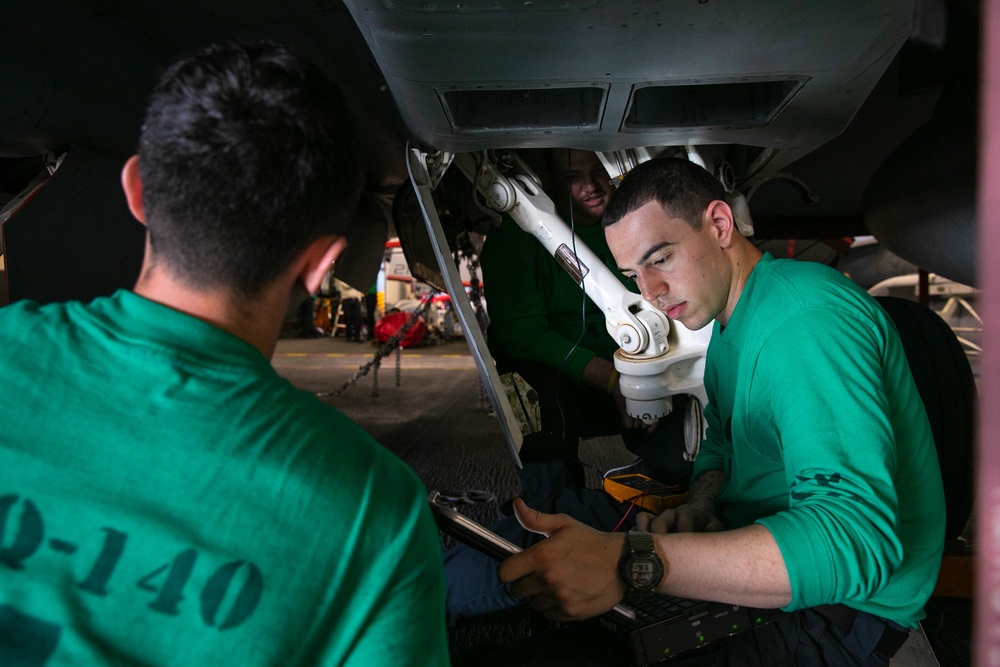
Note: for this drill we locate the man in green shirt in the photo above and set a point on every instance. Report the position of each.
(817, 489)
(166, 497)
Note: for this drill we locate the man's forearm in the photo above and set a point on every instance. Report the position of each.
(742, 566)
(598, 373)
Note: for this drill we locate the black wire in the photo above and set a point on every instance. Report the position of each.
(583, 326)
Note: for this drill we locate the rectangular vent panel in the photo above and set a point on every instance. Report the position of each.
(743, 103)
(524, 108)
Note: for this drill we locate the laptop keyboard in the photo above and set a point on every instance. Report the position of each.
(659, 608)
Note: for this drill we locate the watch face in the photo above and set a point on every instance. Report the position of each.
(644, 573)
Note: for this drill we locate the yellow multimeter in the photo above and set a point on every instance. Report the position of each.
(644, 491)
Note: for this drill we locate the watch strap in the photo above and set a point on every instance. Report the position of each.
(640, 542)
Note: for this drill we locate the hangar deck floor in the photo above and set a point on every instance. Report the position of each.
(436, 419)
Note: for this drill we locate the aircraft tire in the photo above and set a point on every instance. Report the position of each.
(946, 384)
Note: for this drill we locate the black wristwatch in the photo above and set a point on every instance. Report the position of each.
(641, 568)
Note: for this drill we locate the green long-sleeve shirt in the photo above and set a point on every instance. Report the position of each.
(537, 312)
(816, 421)
(170, 500)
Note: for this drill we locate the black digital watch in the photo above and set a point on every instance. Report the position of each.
(641, 569)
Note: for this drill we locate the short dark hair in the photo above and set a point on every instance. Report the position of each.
(681, 187)
(248, 153)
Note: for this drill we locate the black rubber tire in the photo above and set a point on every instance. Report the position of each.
(948, 389)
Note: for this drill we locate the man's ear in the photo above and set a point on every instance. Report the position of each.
(720, 216)
(132, 185)
(317, 258)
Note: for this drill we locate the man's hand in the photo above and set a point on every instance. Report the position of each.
(570, 576)
(687, 518)
(700, 514)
